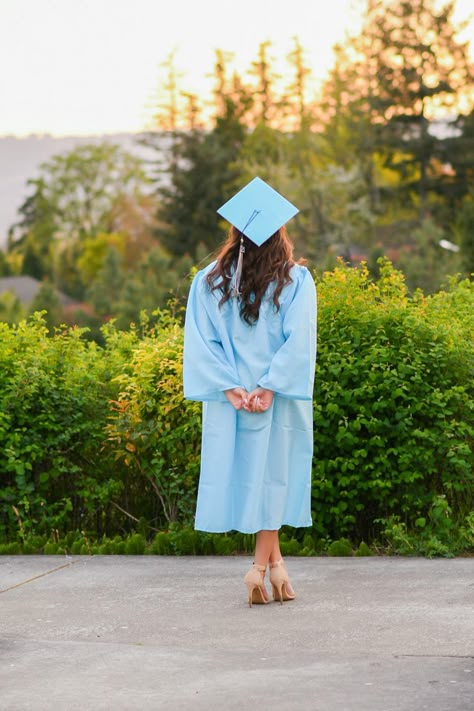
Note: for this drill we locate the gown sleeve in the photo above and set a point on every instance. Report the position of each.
(206, 370)
(291, 370)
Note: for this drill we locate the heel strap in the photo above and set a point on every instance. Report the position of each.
(277, 563)
(260, 568)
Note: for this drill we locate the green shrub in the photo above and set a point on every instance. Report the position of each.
(244, 542)
(207, 544)
(161, 544)
(119, 547)
(341, 547)
(434, 535)
(186, 542)
(224, 544)
(363, 550)
(106, 547)
(50, 548)
(76, 547)
(153, 430)
(10, 548)
(291, 547)
(135, 544)
(394, 402)
(54, 403)
(34, 544)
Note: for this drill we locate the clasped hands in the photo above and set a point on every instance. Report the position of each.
(258, 400)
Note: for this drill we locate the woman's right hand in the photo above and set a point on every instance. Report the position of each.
(259, 400)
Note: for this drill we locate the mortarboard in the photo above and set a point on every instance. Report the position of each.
(258, 211)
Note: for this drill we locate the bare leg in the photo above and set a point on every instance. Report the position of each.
(267, 550)
(265, 545)
(275, 556)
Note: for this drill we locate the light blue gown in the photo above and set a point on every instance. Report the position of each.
(255, 467)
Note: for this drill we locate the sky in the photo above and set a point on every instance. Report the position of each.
(87, 67)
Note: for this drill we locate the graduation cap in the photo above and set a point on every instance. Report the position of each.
(257, 211)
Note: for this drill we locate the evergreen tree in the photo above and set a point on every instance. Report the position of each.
(419, 64)
(266, 105)
(203, 171)
(458, 156)
(464, 231)
(48, 300)
(32, 237)
(384, 89)
(146, 288)
(105, 291)
(5, 269)
(426, 265)
(298, 111)
(11, 309)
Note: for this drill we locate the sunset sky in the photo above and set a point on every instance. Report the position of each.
(89, 67)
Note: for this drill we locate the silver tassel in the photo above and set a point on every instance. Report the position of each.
(235, 285)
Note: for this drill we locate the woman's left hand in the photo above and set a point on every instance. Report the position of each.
(238, 397)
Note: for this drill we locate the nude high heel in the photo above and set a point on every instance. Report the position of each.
(255, 585)
(279, 580)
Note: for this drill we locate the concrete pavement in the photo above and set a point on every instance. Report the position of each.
(146, 633)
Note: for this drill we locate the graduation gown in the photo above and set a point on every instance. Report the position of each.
(255, 467)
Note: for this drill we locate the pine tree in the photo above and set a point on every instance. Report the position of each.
(296, 105)
(384, 90)
(105, 292)
(48, 300)
(203, 172)
(418, 66)
(464, 230)
(266, 105)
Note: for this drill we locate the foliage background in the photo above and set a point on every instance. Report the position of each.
(99, 439)
(379, 162)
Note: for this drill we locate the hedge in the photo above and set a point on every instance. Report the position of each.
(98, 439)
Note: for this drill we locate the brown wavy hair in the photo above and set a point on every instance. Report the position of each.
(271, 262)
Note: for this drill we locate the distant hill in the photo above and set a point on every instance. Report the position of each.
(20, 159)
(25, 288)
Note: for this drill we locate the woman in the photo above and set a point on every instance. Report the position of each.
(249, 355)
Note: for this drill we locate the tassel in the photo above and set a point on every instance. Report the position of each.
(235, 285)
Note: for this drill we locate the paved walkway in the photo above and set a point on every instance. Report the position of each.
(146, 633)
